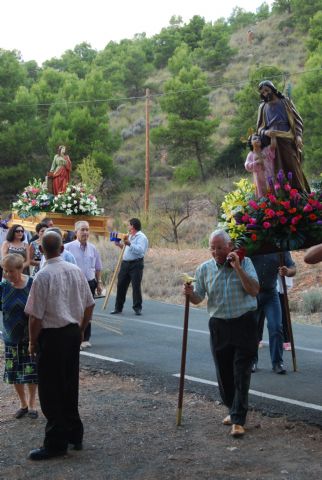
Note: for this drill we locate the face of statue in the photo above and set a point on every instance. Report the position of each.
(256, 141)
(266, 93)
(63, 150)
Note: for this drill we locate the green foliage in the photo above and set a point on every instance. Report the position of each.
(90, 174)
(187, 172)
(214, 49)
(312, 301)
(189, 129)
(315, 32)
(240, 18)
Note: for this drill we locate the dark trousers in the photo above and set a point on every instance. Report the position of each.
(130, 272)
(88, 330)
(58, 377)
(233, 344)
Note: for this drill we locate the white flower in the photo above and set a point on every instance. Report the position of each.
(69, 211)
(69, 205)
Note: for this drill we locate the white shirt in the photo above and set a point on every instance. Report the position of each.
(138, 247)
(59, 294)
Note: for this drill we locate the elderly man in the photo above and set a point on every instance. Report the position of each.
(131, 270)
(60, 305)
(277, 116)
(89, 261)
(231, 287)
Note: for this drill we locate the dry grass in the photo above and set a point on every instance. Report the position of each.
(163, 268)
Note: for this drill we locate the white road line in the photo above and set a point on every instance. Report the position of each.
(101, 357)
(312, 406)
(195, 330)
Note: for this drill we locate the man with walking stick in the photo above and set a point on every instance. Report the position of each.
(231, 286)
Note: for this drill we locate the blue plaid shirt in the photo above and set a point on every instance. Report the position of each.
(226, 295)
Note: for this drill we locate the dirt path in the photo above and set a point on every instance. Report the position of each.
(130, 434)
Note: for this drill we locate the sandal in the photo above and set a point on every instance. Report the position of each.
(33, 414)
(21, 412)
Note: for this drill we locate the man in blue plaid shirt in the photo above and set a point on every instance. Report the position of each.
(231, 286)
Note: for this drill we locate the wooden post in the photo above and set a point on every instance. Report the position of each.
(287, 313)
(147, 152)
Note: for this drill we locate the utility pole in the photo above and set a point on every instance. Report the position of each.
(147, 151)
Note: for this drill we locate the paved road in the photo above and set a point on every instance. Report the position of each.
(152, 343)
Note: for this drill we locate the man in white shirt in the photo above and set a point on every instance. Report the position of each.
(60, 305)
(131, 270)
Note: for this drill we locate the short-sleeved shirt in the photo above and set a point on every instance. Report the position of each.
(267, 266)
(59, 294)
(87, 258)
(226, 295)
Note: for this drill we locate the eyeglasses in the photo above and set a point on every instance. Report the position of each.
(19, 231)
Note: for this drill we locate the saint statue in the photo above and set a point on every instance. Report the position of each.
(60, 171)
(278, 117)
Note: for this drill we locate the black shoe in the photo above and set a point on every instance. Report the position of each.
(77, 446)
(21, 412)
(138, 311)
(114, 312)
(45, 454)
(254, 367)
(279, 368)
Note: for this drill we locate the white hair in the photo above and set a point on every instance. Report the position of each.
(219, 233)
(80, 224)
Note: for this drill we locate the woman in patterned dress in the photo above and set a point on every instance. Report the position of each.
(35, 253)
(15, 244)
(20, 368)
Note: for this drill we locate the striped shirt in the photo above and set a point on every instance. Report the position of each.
(226, 295)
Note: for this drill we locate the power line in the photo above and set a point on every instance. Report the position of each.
(155, 95)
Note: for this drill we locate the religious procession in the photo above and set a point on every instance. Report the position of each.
(52, 278)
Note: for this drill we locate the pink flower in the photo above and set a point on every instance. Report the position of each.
(283, 220)
(252, 221)
(287, 187)
(33, 202)
(269, 212)
(277, 186)
(253, 204)
(294, 193)
(286, 204)
(245, 218)
(266, 225)
(308, 208)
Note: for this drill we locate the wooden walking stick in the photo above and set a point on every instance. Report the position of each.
(109, 290)
(187, 280)
(287, 313)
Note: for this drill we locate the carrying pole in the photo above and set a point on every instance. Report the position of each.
(109, 290)
(287, 313)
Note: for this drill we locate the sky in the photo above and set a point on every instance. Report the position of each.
(42, 29)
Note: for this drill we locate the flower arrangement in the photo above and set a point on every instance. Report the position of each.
(284, 218)
(77, 200)
(34, 199)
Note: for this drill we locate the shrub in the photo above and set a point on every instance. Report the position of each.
(312, 301)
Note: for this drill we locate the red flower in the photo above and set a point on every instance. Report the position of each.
(253, 237)
(312, 217)
(286, 204)
(283, 220)
(293, 193)
(263, 205)
(272, 198)
(292, 228)
(287, 187)
(253, 221)
(292, 210)
(279, 213)
(245, 218)
(269, 213)
(266, 225)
